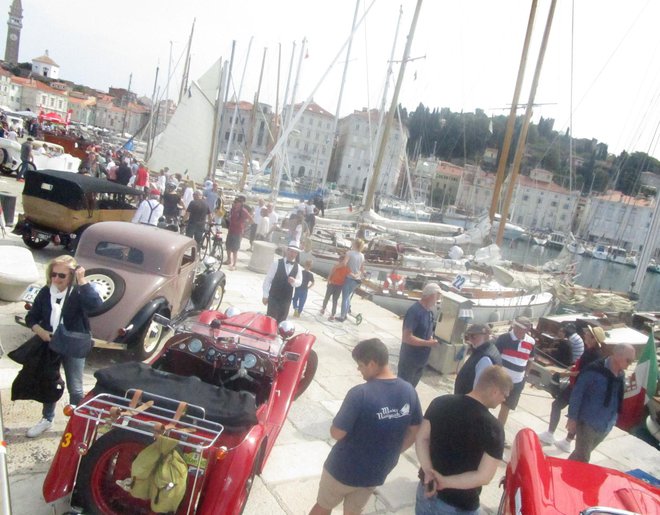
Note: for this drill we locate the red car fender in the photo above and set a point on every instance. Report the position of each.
(528, 471)
(285, 386)
(224, 491)
(62, 472)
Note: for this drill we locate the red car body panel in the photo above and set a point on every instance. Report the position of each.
(536, 484)
(246, 450)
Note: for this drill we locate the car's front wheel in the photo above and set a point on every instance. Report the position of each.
(34, 242)
(216, 298)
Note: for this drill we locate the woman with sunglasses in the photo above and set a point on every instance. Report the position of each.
(62, 301)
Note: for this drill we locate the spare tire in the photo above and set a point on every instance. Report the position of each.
(109, 284)
(5, 162)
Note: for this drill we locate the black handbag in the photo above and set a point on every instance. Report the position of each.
(72, 344)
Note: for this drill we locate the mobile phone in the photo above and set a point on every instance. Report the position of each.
(430, 486)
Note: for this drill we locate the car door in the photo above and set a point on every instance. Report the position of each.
(185, 277)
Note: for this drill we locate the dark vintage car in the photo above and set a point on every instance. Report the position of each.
(59, 206)
(222, 387)
(536, 484)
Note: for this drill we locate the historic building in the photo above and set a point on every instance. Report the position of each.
(356, 152)
(44, 66)
(14, 26)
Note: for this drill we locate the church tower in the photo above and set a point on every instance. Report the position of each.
(14, 25)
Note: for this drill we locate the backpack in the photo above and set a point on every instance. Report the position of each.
(159, 473)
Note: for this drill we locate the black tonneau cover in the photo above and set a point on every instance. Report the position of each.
(62, 181)
(232, 409)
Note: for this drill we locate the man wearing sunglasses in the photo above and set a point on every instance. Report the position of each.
(483, 354)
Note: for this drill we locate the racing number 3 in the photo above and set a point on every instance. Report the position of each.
(66, 439)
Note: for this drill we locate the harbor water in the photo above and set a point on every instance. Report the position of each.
(592, 273)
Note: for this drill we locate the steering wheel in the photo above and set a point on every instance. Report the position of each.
(241, 373)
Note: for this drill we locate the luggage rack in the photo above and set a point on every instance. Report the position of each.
(149, 418)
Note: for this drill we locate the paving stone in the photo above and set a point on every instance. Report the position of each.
(295, 461)
(262, 501)
(298, 496)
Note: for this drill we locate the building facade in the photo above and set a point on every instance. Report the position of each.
(309, 145)
(356, 152)
(38, 96)
(617, 219)
(235, 123)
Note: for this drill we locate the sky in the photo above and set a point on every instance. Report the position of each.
(466, 54)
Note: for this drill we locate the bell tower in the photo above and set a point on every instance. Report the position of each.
(14, 26)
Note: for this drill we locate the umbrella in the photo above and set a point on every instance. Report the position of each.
(52, 117)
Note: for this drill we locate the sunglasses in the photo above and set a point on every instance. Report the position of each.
(59, 274)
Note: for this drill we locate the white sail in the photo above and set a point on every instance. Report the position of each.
(186, 143)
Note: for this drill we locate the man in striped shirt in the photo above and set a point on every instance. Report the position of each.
(516, 348)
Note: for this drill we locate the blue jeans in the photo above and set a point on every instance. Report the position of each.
(73, 371)
(22, 168)
(299, 299)
(347, 290)
(435, 506)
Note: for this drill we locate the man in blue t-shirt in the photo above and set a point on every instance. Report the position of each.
(376, 422)
(417, 338)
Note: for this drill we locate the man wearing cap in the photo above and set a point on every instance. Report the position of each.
(417, 338)
(197, 214)
(594, 339)
(149, 210)
(483, 354)
(516, 348)
(282, 277)
(596, 399)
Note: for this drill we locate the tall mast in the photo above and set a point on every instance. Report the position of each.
(511, 122)
(213, 156)
(520, 148)
(238, 100)
(150, 133)
(368, 203)
(186, 64)
(126, 102)
(324, 174)
(247, 161)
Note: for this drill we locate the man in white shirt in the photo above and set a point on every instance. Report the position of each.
(273, 218)
(149, 210)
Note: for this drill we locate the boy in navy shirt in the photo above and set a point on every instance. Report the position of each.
(376, 422)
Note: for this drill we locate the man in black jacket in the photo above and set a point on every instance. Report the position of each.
(483, 354)
(282, 277)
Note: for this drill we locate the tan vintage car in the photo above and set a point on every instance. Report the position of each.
(140, 271)
(58, 206)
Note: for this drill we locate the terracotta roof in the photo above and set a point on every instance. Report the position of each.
(540, 185)
(242, 105)
(37, 84)
(314, 108)
(45, 60)
(449, 170)
(617, 196)
(5, 73)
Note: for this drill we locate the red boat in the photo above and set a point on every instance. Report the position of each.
(77, 147)
(236, 378)
(536, 484)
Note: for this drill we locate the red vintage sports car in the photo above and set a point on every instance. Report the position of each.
(222, 386)
(536, 484)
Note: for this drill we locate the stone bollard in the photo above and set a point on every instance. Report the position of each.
(262, 256)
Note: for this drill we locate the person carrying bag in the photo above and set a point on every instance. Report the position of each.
(58, 318)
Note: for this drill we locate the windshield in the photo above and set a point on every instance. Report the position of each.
(228, 335)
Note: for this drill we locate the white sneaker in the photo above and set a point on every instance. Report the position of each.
(38, 428)
(547, 437)
(564, 445)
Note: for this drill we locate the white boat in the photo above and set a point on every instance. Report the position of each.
(575, 247)
(511, 231)
(539, 240)
(622, 256)
(600, 252)
(556, 240)
(653, 267)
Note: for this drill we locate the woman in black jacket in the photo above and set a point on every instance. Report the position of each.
(60, 301)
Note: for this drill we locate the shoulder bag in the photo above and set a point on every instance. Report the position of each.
(72, 344)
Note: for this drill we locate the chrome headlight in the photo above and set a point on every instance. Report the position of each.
(286, 329)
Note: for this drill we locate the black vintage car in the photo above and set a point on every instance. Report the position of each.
(59, 206)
